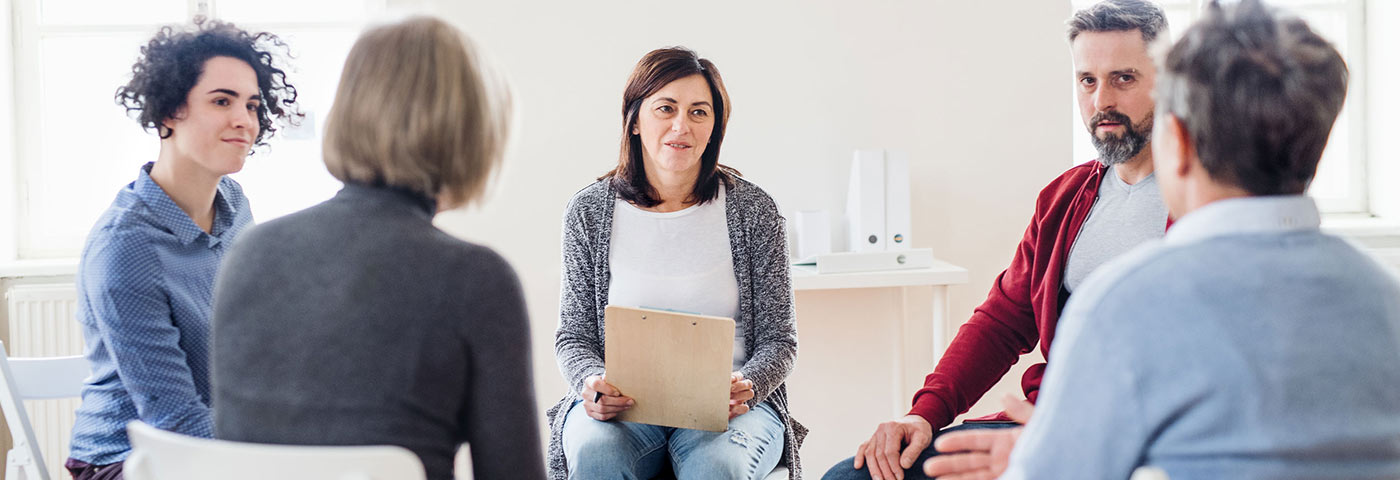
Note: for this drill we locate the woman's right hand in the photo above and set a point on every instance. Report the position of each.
(606, 406)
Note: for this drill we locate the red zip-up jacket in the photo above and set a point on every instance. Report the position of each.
(1022, 308)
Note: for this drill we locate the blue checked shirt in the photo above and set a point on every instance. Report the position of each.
(145, 290)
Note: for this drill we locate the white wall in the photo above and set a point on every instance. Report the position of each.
(974, 91)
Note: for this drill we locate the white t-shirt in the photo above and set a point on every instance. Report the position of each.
(676, 261)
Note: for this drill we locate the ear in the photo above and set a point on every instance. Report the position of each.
(168, 124)
(1181, 154)
(1173, 151)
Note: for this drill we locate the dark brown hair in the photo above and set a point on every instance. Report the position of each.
(653, 72)
(1258, 94)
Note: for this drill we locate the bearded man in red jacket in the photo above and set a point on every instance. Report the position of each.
(1085, 217)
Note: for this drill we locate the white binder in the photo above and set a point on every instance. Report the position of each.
(865, 202)
(877, 204)
(813, 232)
(897, 222)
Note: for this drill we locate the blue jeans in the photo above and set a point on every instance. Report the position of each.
(750, 449)
(843, 470)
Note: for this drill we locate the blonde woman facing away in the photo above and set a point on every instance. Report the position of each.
(357, 321)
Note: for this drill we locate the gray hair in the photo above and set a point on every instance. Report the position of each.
(1258, 94)
(1120, 16)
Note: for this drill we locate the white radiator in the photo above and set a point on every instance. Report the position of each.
(42, 324)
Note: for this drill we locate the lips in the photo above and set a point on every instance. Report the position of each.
(678, 145)
(237, 141)
(1109, 119)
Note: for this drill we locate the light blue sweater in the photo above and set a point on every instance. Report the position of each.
(1246, 344)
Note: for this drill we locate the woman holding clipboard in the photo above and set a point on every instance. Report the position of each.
(670, 227)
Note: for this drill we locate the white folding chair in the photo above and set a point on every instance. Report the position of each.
(779, 472)
(160, 455)
(34, 379)
(1149, 473)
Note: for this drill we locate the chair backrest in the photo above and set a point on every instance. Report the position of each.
(160, 455)
(34, 379)
(1149, 473)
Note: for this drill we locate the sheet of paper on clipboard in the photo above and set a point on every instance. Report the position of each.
(675, 366)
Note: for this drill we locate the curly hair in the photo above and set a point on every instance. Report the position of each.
(173, 60)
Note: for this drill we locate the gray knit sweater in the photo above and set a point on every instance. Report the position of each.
(357, 322)
(757, 236)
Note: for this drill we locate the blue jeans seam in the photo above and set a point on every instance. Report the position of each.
(644, 455)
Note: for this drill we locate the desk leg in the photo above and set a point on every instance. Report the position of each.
(942, 331)
(899, 391)
(941, 334)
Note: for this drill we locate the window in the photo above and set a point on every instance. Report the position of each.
(1342, 185)
(75, 148)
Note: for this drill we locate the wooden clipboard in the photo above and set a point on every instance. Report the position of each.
(676, 366)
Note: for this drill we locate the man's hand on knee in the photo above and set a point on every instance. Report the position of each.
(882, 453)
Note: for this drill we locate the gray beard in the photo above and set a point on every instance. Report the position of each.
(1113, 151)
(1118, 149)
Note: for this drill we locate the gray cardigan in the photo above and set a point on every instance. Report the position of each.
(757, 236)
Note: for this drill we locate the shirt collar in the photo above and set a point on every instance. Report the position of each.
(1247, 215)
(169, 215)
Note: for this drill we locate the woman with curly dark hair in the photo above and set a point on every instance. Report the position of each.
(146, 277)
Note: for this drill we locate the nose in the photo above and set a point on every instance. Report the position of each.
(1105, 99)
(680, 125)
(244, 118)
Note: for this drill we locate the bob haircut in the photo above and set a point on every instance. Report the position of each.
(417, 110)
(652, 73)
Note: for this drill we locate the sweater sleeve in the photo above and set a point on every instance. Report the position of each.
(1001, 329)
(775, 348)
(1091, 408)
(501, 417)
(577, 346)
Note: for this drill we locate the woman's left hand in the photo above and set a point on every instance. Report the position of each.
(740, 391)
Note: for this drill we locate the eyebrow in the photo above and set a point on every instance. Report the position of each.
(234, 94)
(1133, 71)
(672, 100)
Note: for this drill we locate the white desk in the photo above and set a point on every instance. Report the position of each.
(939, 276)
(865, 341)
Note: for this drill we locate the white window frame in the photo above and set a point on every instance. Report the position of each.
(8, 175)
(20, 37)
